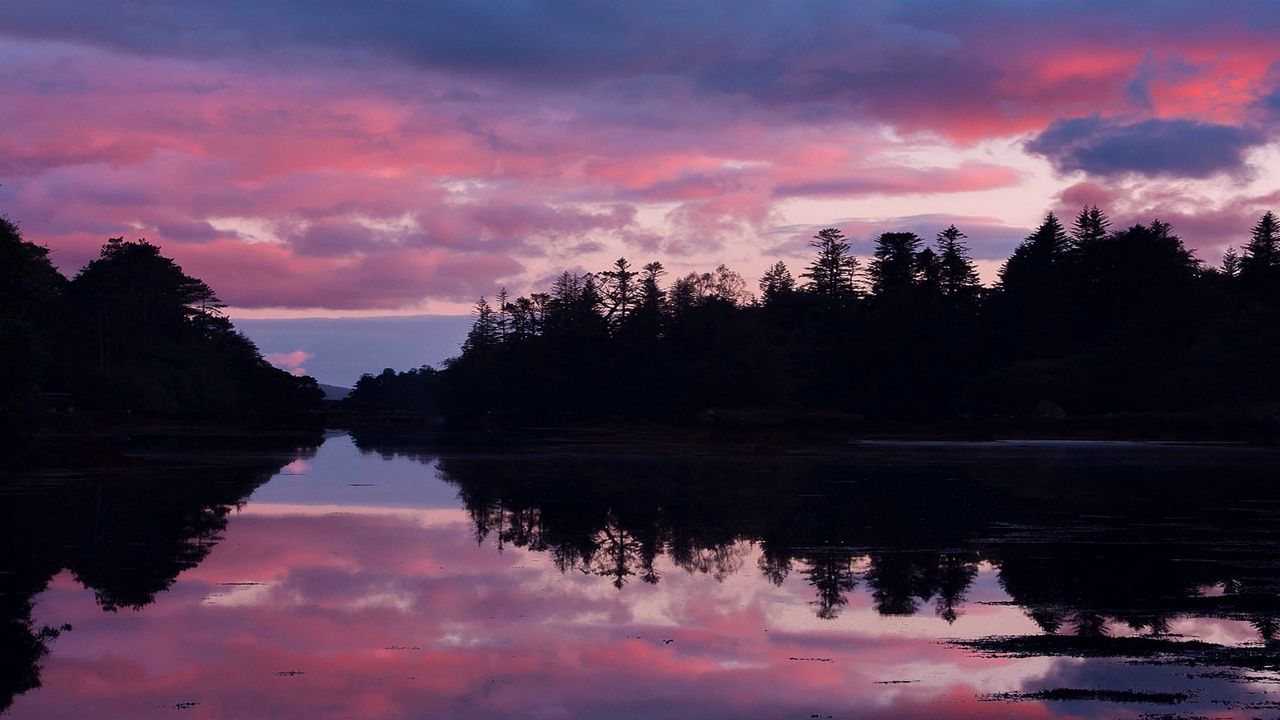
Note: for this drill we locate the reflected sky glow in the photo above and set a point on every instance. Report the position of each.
(352, 586)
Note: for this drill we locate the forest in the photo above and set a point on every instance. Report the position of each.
(130, 334)
(1084, 321)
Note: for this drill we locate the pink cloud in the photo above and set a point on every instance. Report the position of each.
(968, 177)
(291, 361)
(384, 165)
(267, 274)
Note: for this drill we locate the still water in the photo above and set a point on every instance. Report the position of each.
(374, 577)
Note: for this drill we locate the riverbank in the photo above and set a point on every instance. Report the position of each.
(77, 442)
(818, 434)
(84, 441)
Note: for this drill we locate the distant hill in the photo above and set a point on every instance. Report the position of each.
(334, 393)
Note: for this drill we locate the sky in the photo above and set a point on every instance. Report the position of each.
(334, 159)
(337, 351)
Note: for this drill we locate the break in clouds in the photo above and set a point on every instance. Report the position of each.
(414, 156)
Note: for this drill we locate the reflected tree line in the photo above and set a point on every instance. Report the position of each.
(126, 535)
(1084, 543)
(708, 525)
(1134, 543)
(1085, 319)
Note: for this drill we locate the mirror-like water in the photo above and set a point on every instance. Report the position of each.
(373, 578)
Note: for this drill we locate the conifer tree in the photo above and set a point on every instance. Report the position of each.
(929, 271)
(483, 335)
(1231, 262)
(959, 278)
(652, 296)
(1035, 259)
(776, 283)
(895, 266)
(572, 309)
(619, 290)
(502, 315)
(1260, 266)
(1090, 225)
(646, 319)
(831, 274)
(684, 294)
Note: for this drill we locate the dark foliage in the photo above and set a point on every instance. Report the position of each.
(30, 289)
(1081, 323)
(411, 391)
(130, 333)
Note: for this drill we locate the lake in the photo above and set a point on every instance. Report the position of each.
(375, 576)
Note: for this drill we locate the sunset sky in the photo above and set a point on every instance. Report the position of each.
(339, 159)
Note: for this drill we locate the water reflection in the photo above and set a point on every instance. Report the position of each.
(894, 582)
(126, 535)
(1081, 540)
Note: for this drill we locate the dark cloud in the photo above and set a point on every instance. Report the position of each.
(1164, 148)
(889, 60)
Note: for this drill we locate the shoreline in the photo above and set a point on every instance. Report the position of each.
(98, 442)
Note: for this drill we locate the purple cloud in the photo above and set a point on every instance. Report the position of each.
(1161, 148)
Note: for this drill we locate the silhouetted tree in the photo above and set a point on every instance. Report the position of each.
(1260, 266)
(1031, 268)
(832, 272)
(502, 314)
(652, 296)
(137, 297)
(730, 287)
(1101, 322)
(527, 315)
(647, 318)
(1231, 262)
(929, 271)
(1090, 226)
(413, 390)
(30, 287)
(776, 284)
(1032, 306)
(151, 339)
(723, 286)
(619, 291)
(483, 336)
(895, 266)
(958, 276)
(573, 307)
(684, 295)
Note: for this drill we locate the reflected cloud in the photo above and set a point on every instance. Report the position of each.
(776, 587)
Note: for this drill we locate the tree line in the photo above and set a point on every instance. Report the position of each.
(130, 333)
(1084, 320)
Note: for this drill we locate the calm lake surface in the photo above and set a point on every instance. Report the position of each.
(374, 577)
